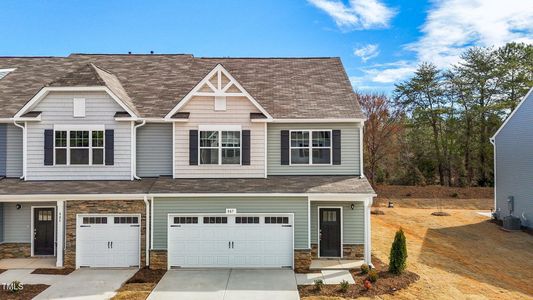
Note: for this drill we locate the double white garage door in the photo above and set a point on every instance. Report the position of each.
(108, 240)
(230, 241)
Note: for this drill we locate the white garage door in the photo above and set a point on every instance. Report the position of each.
(108, 241)
(230, 241)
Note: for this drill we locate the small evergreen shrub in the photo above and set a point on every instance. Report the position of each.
(365, 268)
(373, 275)
(344, 286)
(319, 284)
(398, 253)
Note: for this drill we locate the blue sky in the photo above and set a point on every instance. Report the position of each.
(380, 41)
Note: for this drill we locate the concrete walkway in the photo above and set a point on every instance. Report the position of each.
(227, 285)
(327, 276)
(25, 276)
(88, 284)
(28, 263)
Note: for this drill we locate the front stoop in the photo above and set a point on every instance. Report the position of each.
(327, 276)
(335, 264)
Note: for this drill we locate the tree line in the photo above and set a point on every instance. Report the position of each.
(435, 127)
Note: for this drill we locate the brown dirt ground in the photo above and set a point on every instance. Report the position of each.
(63, 271)
(140, 285)
(463, 256)
(28, 292)
(433, 191)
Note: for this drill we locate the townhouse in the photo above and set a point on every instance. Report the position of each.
(176, 161)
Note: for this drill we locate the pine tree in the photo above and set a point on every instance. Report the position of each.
(398, 253)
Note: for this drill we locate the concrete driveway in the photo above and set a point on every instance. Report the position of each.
(227, 285)
(88, 284)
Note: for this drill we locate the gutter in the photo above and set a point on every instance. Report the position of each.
(24, 148)
(134, 150)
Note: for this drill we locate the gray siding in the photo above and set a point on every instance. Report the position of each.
(1, 222)
(3, 144)
(349, 151)
(353, 221)
(514, 162)
(57, 108)
(154, 150)
(14, 151)
(296, 205)
(17, 222)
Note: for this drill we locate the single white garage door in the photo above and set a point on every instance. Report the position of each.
(108, 240)
(230, 241)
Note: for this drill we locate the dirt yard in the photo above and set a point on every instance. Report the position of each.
(462, 256)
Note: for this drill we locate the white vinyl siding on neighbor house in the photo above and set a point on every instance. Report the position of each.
(13, 151)
(17, 222)
(202, 112)
(350, 150)
(154, 150)
(57, 109)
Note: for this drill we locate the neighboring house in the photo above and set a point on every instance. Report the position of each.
(513, 161)
(178, 161)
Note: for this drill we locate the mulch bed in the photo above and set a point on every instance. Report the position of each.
(440, 214)
(140, 285)
(386, 284)
(29, 291)
(51, 271)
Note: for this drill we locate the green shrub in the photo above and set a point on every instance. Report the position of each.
(365, 268)
(319, 284)
(344, 286)
(398, 253)
(373, 275)
(455, 195)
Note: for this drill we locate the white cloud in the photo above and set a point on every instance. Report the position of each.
(454, 25)
(367, 52)
(359, 14)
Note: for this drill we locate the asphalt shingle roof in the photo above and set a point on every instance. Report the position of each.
(166, 185)
(295, 88)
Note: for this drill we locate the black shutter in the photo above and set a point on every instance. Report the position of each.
(336, 147)
(48, 147)
(193, 147)
(284, 147)
(246, 147)
(109, 147)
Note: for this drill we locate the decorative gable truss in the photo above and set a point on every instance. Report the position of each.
(218, 84)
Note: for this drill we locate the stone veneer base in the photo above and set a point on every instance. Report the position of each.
(15, 250)
(349, 251)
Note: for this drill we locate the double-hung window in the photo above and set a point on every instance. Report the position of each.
(310, 147)
(79, 147)
(220, 147)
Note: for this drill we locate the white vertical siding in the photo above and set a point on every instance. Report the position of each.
(154, 150)
(14, 151)
(57, 108)
(202, 112)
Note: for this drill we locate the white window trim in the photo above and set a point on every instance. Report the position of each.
(310, 131)
(219, 147)
(69, 129)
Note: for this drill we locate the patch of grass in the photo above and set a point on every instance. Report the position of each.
(29, 291)
(51, 271)
(140, 285)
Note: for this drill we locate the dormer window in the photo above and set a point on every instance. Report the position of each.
(79, 147)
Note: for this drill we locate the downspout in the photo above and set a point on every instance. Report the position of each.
(134, 151)
(147, 234)
(23, 148)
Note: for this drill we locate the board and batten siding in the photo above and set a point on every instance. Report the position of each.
(353, 221)
(57, 108)
(14, 151)
(206, 205)
(514, 162)
(3, 150)
(17, 222)
(154, 150)
(202, 112)
(350, 150)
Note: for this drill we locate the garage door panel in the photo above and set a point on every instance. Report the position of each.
(231, 244)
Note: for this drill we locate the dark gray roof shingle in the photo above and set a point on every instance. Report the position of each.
(295, 88)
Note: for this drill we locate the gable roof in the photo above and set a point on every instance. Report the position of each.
(524, 99)
(287, 88)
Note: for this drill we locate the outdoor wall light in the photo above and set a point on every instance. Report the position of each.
(352, 206)
(18, 206)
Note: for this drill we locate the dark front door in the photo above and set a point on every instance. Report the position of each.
(330, 232)
(43, 231)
